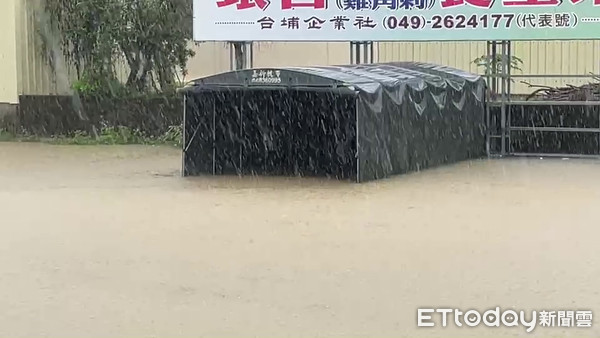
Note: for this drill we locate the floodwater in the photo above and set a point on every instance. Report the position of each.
(112, 242)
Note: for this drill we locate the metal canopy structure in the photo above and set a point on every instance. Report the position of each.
(359, 122)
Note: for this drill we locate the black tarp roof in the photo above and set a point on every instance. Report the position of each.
(371, 120)
(364, 77)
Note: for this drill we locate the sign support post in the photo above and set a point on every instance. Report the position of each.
(362, 52)
(241, 55)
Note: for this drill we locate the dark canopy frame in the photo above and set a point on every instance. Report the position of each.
(363, 122)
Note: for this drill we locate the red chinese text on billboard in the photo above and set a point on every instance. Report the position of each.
(322, 4)
(244, 4)
(476, 3)
(596, 2)
(291, 4)
(531, 2)
(263, 4)
(508, 3)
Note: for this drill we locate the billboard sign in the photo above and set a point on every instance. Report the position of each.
(395, 20)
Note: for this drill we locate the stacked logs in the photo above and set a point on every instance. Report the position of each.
(586, 92)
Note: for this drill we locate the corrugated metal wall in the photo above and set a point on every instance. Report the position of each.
(35, 75)
(454, 54)
(539, 58)
(543, 57)
(8, 57)
(557, 57)
(213, 57)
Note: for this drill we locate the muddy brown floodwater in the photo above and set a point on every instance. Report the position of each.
(112, 242)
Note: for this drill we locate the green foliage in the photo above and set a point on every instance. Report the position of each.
(493, 65)
(107, 136)
(5, 135)
(95, 35)
(174, 136)
(86, 86)
(120, 136)
(90, 86)
(8, 136)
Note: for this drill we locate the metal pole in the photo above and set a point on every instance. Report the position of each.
(488, 100)
(251, 55)
(231, 56)
(503, 101)
(488, 128)
(487, 69)
(247, 55)
(242, 56)
(494, 69)
(241, 136)
(214, 137)
(239, 59)
(509, 69)
(357, 157)
(183, 136)
(508, 90)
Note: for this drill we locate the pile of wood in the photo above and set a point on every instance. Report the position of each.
(586, 92)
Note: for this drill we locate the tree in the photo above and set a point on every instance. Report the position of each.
(151, 35)
(494, 64)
